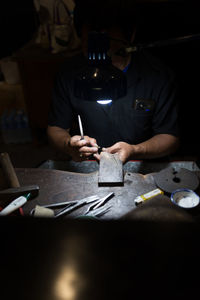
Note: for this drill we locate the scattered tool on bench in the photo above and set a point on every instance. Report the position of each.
(97, 212)
(70, 206)
(14, 190)
(100, 202)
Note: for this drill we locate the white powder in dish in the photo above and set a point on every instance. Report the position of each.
(187, 201)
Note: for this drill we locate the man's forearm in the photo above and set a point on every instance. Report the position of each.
(158, 146)
(59, 138)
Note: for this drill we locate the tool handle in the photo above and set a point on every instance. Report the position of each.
(14, 205)
(8, 170)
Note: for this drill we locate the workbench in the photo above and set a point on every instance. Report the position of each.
(66, 181)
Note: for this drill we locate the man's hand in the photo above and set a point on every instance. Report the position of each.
(159, 145)
(124, 150)
(81, 150)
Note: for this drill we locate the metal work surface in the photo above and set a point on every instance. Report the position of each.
(142, 167)
(57, 186)
(60, 186)
(170, 180)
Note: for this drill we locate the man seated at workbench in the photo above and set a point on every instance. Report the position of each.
(127, 127)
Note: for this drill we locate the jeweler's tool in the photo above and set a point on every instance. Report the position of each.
(82, 134)
(98, 203)
(69, 206)
(80, 127)
(98, 212)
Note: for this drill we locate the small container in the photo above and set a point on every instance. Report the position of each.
(185, 198)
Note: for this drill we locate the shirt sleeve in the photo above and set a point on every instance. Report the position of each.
(60, 112)
(165, 118)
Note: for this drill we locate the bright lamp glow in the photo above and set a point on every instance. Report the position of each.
(104, 102)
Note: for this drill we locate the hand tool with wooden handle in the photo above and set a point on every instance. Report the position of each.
(9, 171)
(15, 189)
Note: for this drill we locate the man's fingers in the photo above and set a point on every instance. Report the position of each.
(111, 150)
(85, 155)
(76, 141)
(91, 141)
(86, 149)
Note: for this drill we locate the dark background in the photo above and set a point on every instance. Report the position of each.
(171, 19)
(157, 20)
(18, 22)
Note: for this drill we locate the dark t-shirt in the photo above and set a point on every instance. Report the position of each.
(148, 82)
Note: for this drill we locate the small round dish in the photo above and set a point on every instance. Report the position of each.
(185, 198)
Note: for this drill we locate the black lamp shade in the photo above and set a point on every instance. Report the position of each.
(100, 80)
(102, 83)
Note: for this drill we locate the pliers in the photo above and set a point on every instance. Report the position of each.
(69, 206)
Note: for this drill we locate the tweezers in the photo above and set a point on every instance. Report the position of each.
(98, 203)
(68, 205)
(97, 212)
(71, 205)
